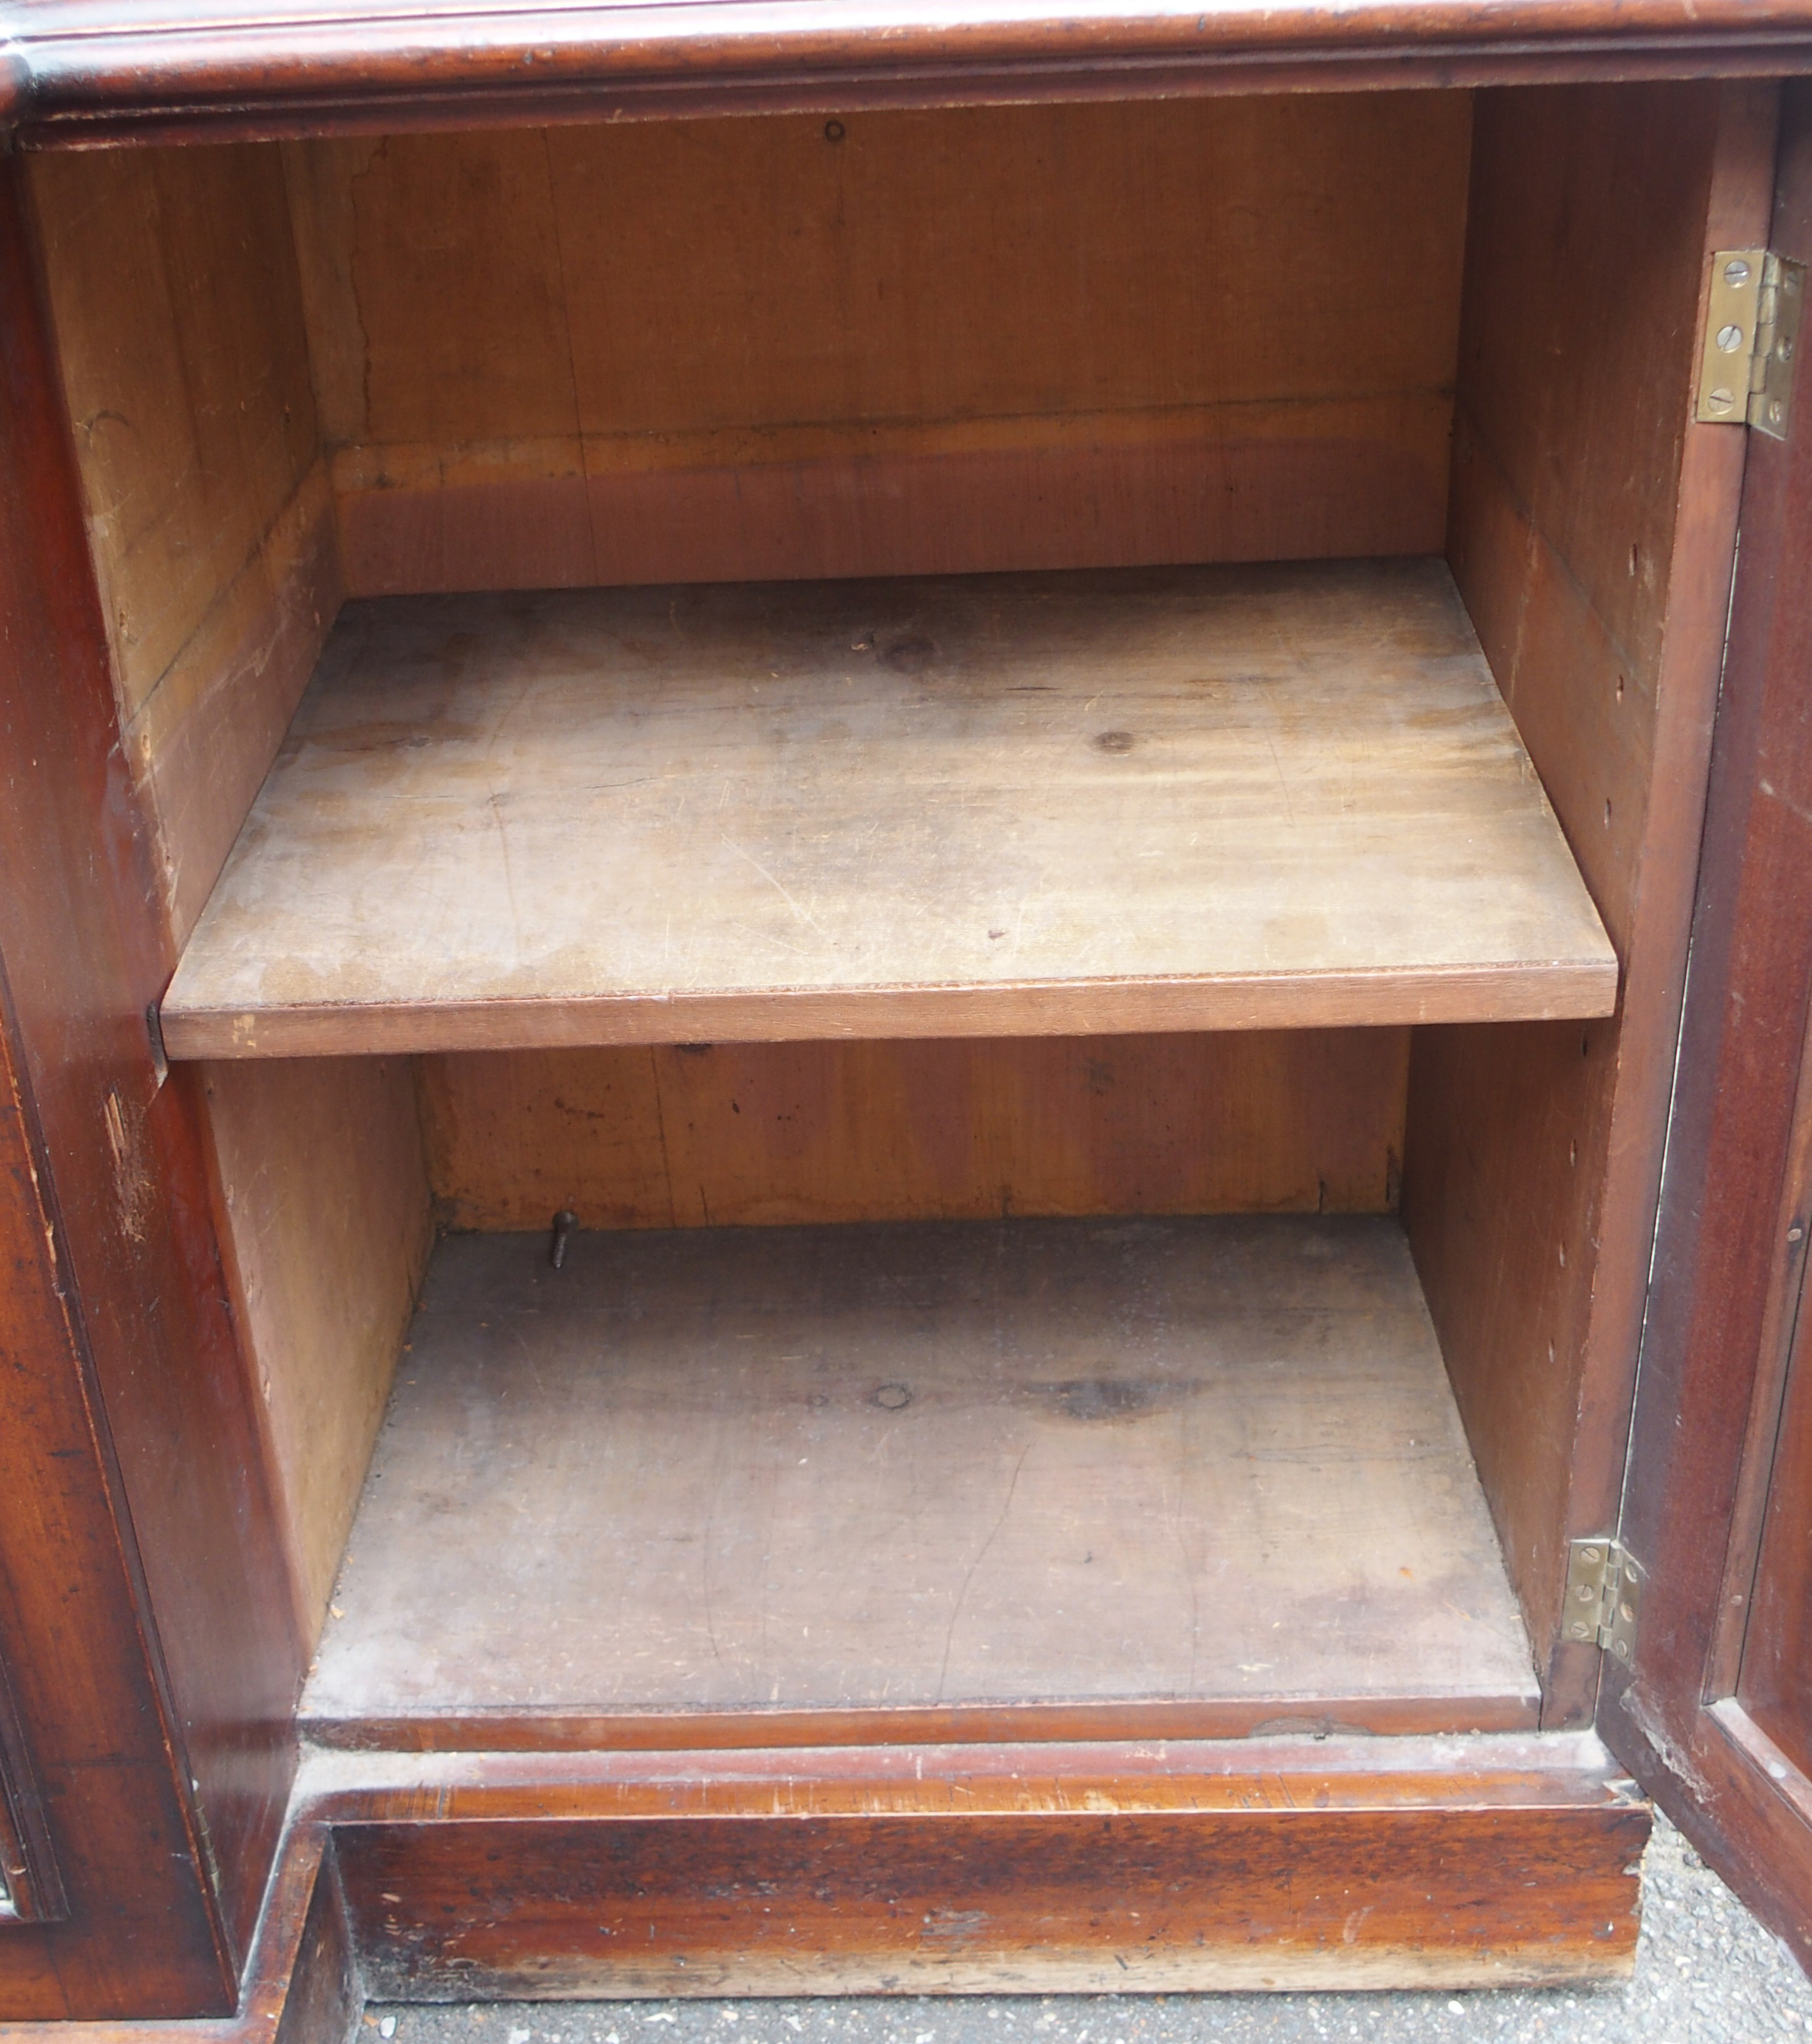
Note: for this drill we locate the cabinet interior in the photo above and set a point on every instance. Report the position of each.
(1181, 1279)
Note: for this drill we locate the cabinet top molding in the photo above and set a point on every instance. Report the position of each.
(86, 71)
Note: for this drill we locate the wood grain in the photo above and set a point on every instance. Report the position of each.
(1058, 1902)
(1775, 1647)
(88, 69)
(156, 1661)
(301, 1983)
(88, 1726)
(1164, 800)
(321, 1178)
(173, 279)
(1708, 1413)
(1259, 1864)
(904, 1470)
(1017, 337)
(1303, 1120)
(1593, 532)
(1316, 478)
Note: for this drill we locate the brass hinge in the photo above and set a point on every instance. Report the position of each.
(1752, 328)
(1604, 1597)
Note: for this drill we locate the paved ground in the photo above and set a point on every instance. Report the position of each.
(1706, 1973)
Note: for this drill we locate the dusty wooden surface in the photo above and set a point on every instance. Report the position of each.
(903, 1469)
(1168, 798)
(1309, 1120)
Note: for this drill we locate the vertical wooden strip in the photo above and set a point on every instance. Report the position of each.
(1709, 1406)
(1592, 534)
(84, 948)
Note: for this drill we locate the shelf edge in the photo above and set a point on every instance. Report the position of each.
(1573, 990)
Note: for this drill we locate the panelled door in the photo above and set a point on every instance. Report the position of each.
(1714, 1711)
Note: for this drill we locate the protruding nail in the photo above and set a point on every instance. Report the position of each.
(565, 1221)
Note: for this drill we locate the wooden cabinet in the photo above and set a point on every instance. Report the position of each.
(849, 879)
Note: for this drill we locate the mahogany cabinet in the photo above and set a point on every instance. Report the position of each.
(856, 1135)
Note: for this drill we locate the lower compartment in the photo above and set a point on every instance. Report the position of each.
(1053, 1479)
(1340, 1863)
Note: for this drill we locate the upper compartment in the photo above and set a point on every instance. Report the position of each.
(952, 342)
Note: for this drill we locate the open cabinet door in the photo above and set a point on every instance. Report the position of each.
(1714, 1710)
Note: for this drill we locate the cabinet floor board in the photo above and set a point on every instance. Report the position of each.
(1155, 799)
(986, 1479)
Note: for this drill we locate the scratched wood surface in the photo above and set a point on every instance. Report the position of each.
(816, 1471)
(1211, 797)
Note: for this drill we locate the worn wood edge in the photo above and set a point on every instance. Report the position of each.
(95, 70)
(301, 1954)
(1745, 1817)
(1564, 989)
(304, 1989)
(1206, 1969)
(569, 1731)
(1463, 1771)
(1256, 1834)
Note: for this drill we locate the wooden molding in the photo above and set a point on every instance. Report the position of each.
(101, 66)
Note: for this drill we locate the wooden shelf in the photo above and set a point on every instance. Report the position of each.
(1163, 799)
(1062, 1478)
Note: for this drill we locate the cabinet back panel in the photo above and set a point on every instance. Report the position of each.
(967, 338)
(1301, 1121)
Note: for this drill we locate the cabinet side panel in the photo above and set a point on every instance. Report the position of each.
(173, 284)
(176, 298)
(1303, 1121)
(321, 1179)
(1592, 532)
(84, 951)
(906, 342)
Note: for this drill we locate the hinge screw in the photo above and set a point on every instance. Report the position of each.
(1735, 272)
(1729, 338)
(1720, 401)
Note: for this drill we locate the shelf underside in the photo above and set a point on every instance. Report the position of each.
(742, 1486)
(1163, 799)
